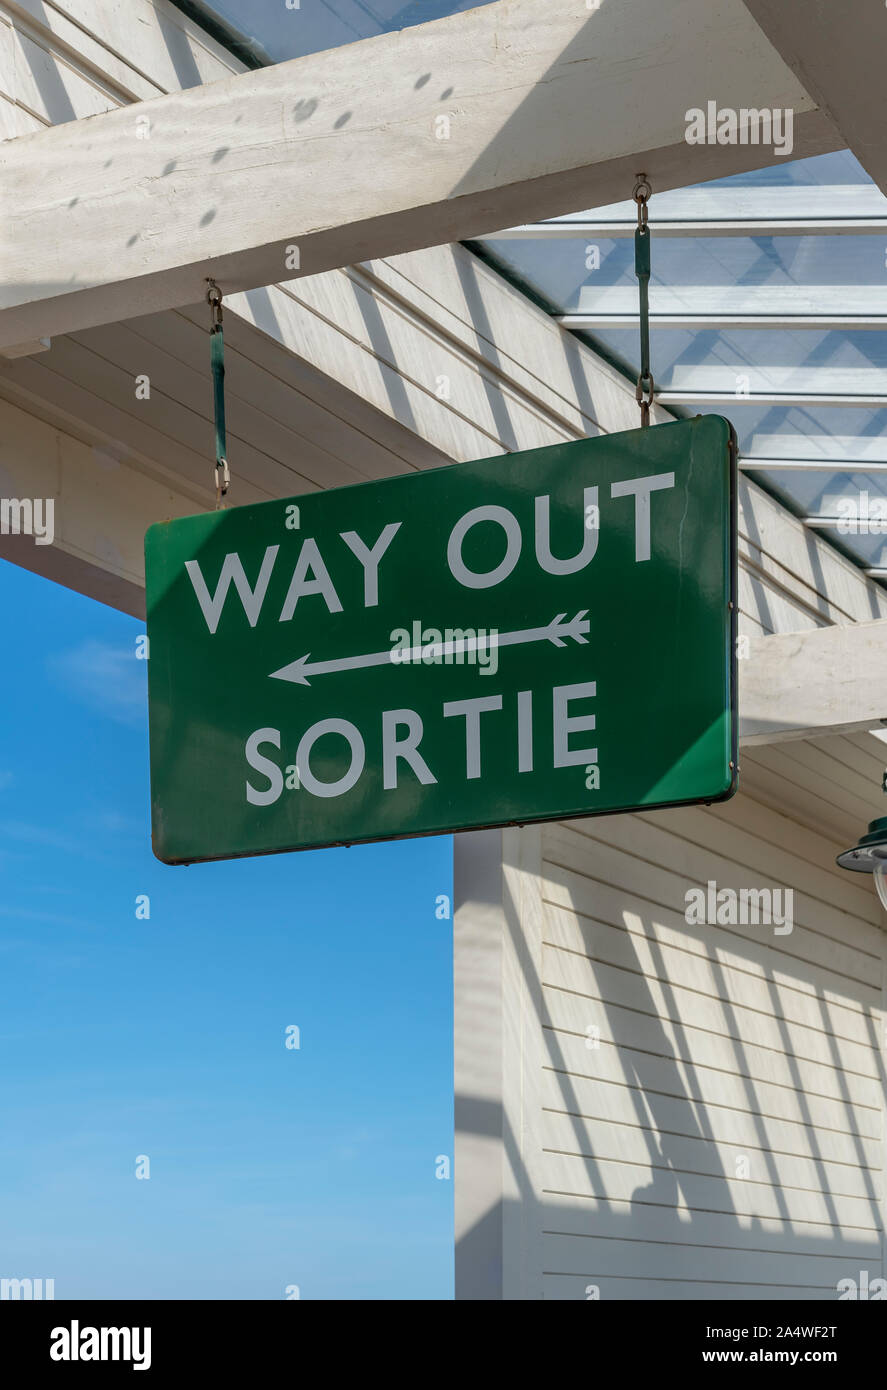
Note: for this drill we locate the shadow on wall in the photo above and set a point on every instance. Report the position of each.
(711, 1103)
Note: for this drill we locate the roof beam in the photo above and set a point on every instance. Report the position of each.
(819, 465)
(830, 680)
(749, 202)
(837, 51)
(845, 524)
(676, 319)
(438, 133)
(573, 228)
(799, 398)
(772, 378)
(729, 210)
(733, 306)
(832, 450)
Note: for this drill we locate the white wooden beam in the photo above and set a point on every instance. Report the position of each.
(763, 377)
(837, 51)
(764, 306)
(25, 349)
(832, 450)
(843, 400)
(449, 130)
(741, 202)
(842, 525)
(700, 319)
(818, 465)
(829, 680)
(102, 500)
(498, 1063)
(568, 229)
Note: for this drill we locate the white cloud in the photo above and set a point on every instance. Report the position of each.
(107, 678)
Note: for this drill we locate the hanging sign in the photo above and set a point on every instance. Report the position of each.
(531, 637)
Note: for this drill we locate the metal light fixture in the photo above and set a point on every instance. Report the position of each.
(870, 856)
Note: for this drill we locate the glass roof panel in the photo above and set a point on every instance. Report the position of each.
(770, 360)
(274, 30)
(573, 270)
(768, 302)
(857, 501)
(808, 430)
(822, 493)
(862, 541)
(768, 293)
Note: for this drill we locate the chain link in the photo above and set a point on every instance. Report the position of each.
(645, 386)
(642, 191)
(222, 475)
(214, 299)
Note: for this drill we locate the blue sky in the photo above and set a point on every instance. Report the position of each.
(123, 1037)
(291, 28)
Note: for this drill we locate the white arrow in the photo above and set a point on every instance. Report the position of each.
(557, 631)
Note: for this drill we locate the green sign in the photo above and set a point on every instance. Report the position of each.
(531, 637)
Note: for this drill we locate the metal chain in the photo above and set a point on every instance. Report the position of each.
(217, 364)
(645, 386)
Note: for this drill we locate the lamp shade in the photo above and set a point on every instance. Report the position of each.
(871, 850)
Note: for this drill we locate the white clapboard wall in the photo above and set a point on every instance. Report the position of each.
(709, 1116)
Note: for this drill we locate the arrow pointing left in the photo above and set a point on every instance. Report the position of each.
(556, 632)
